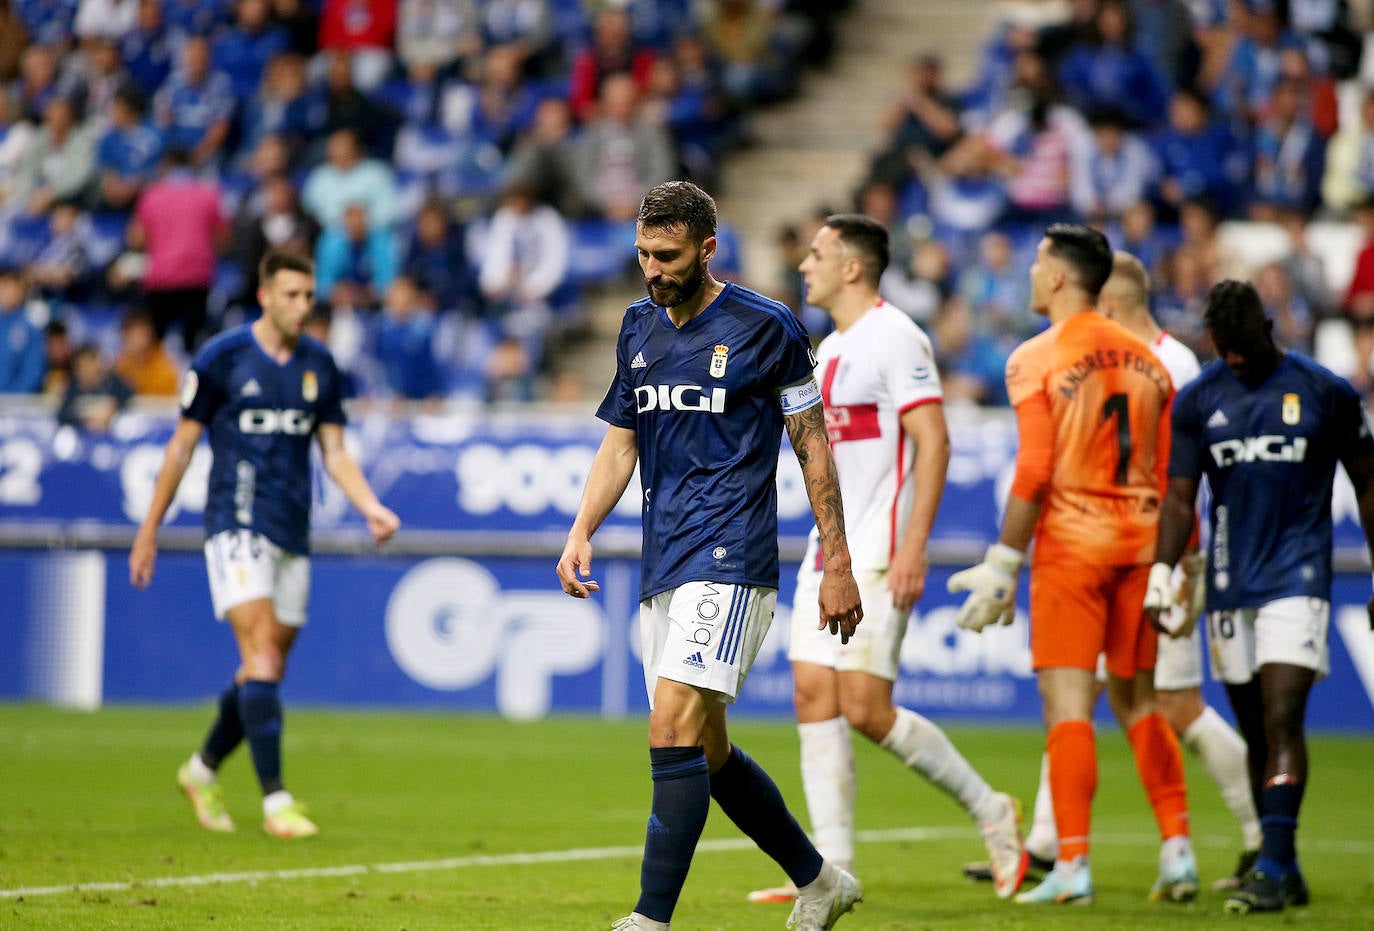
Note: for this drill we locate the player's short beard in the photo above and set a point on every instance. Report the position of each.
(679, 294)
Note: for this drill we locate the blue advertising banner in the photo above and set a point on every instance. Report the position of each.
(497, 635)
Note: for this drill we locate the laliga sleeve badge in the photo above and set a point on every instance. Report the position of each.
(719, 358)
(310, 386)
(1292, 409)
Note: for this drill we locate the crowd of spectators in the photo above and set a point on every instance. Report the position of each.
(1211, 138)
(459, 169)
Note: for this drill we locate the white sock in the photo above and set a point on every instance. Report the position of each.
(274, 802)
(1222, 752)
(199, 771)
(1043, 839)
(827, 768)
(1173, 849)
(923, 747)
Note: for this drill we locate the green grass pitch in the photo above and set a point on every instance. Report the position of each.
(435, 821)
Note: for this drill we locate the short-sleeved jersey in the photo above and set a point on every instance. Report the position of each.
(1179, 361)
(260, 416)
(1269, 454)
(870, 375)
(1107, 395)
(704, 402)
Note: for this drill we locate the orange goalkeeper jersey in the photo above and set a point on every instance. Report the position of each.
(1092, 407)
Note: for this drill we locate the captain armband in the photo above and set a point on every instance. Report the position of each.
(796, 398)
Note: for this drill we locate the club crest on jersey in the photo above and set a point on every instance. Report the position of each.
(1292, 409)
(719, 358)
(310, 387)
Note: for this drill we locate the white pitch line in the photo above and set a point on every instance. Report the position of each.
(890, 835)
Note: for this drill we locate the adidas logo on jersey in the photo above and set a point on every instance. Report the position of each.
(1218, 419)
(250, 388)
(638, 361)
(695, 661)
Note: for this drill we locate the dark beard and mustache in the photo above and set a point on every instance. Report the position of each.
(677, 294)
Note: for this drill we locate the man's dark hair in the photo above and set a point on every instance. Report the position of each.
(676, 205)
(867, 238)
(132, 98)
(280, 260)
(1235, 315)
(1085, 250)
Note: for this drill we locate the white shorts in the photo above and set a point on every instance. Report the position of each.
(1289, 630)
(245, 566)
(876, 645)
(704, 634)
(1179, 662)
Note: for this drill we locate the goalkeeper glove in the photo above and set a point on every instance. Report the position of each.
(991, 586)
(1160, 599)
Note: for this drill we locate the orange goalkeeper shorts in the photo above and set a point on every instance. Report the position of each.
(1079, 610)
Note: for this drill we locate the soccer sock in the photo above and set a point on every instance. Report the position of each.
(827, 769)
(260, 711)
(1279, 819)
(923, 747)
(1072, 751)
(227, 731)
(750, 798)
(1159, 761)
(1222, 752)
(682, 798)
(1043, 839)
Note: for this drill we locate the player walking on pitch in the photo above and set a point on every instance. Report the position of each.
(1267, 428)
(707, 375)
(263, 391)
(1092, 405)
(887, 430)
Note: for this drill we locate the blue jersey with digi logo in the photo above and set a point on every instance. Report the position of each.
(706, 404)
(1270, 455)
(261, 416)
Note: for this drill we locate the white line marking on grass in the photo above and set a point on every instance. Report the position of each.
(888, 836)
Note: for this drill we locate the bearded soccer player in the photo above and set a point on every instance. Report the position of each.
(263, 391)
(1092, 404)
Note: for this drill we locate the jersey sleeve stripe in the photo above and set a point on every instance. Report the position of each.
(917, 403)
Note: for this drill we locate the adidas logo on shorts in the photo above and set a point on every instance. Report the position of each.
(695, 661)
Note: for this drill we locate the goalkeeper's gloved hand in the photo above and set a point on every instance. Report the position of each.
(1160, 599)
(991, 586)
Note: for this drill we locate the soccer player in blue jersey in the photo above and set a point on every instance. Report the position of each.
(262, 391)
(1267, 428)
(707, 376)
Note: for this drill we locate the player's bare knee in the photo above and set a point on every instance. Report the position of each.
(870, 718)
(1180, 707)
(675, 726)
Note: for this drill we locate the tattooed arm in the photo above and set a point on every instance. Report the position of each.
(840, 609)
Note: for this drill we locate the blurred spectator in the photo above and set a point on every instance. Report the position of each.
(1293, 318)
(319, 325)
(1180, 299)
(105, 19)
(178, 224)
(525, 27)
(921, 288)
(1109, 72)
(356, 256)
(49, 22)
(692, 113)
(127, 155)
(57, 350)
(612, 52)
(366, 29)
(509, 373)
(1289, 157)
(1114, 171)
(301, 20)
(524, 260)
(60, 163)
(274, 221)
(94, 395)
(996, 72)
(436, 260)
(194, 107)
(94, 76)
(1358, 304)
(741, 33)
(505, 104)
(437, 32)
(1349, 176)
(620, 155)
(243, 50)
(971, 363)
(1317, 92)
(37, 84)
(1306, 270)
(346, 177)
(1139, 236)
(1059, 37)
(791, 253)
(405, 343)
(22, 357)
(243, 184)
(14, 38)
(921, 127)
(16, 136)
(996, 289)
(186, 18)
(347, 107)
(285, 106)
(1193, 153)
(1164, 35)
(542, 157)
(878, 199)
(60, 268)
(145, 49)
(142, 362)
(1251, 70)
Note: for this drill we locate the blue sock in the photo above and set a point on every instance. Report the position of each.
(227, 731)
(682, 797)
(751, 799)
(1279, 821)
(260, 710)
